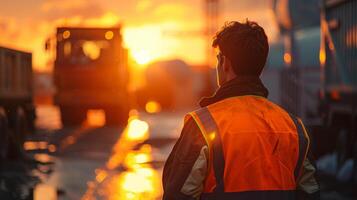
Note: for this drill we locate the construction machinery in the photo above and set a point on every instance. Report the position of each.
(300, 76)
(338, 57)
(329, 107)
(91, 72)
(17, 112)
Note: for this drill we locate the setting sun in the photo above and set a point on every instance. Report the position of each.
(142, 57)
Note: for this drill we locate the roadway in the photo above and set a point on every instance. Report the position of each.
(93, 161)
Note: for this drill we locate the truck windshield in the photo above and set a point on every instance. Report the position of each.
(82, 52)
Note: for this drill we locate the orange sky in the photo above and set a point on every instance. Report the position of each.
(25, 24)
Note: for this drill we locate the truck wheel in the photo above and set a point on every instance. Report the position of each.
(4, 137)
(21, 125)
(72, 116)
(116, 116)
(30, 112)
(342, 147)
(17, 134)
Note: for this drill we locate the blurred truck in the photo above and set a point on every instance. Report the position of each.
(338, 55)
(17, 112)
(299, 24)
(91, 72)
(324, 94)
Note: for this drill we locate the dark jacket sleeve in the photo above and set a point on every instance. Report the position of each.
(308, 187)
(181, 160)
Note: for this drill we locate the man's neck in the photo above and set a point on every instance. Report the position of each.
(228, 79)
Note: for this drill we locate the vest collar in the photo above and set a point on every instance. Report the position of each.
(245, 85)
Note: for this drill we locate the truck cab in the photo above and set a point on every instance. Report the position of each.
(91, 72)
(338, 57)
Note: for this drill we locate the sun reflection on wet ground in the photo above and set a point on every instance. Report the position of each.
(128, 174)
(93, 161)
(33, 145)
(152, 107)
(140, 183)
(137, 131)
(50, 191)
(43, 158)
(96, 117)
(39, 145)
(139, 180)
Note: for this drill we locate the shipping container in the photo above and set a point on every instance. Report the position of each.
(17, 112)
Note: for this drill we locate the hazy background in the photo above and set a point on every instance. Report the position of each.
(147, 25)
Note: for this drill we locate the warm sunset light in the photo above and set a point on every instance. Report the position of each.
(109, 35)
(42, 157)
(96, 117)
(287, 58)
(118, 99)
(135, 184)
(34, 145)
(91, 50)
(152, 107)
(142, 183)
(212, 136)
(50, 191)
(133, 113)
(142, 57)
(322, 56)
(133, 160)
(52, 148)
(137, 130)
(66, 34)
(144, 22)
(100, 175)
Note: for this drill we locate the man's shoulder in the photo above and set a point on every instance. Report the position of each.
(190, 115)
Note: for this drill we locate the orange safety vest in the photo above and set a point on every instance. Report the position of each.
(256, 149)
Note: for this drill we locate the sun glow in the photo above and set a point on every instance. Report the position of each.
(137, 130)
(142, 57)
(96, 117)
(152, 107)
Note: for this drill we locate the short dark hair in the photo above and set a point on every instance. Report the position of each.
(245, 45)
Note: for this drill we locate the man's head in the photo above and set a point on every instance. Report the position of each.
(243, 50)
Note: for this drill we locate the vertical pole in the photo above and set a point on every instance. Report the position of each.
(212, 23)
(295, 65)
(211, 8)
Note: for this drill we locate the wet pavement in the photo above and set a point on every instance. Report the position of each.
(93, 161)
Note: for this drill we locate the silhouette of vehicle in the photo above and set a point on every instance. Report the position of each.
(91, 72)
(17, 112)
(338, 98)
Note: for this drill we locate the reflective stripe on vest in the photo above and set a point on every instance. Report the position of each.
(210, 130)
(304, 143)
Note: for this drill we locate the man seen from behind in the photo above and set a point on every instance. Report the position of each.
(240, 145)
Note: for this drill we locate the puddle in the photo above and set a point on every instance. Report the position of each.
(45, 192)
(39, 145)
(128, 174)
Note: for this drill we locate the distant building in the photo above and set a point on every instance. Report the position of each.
(171, 84)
